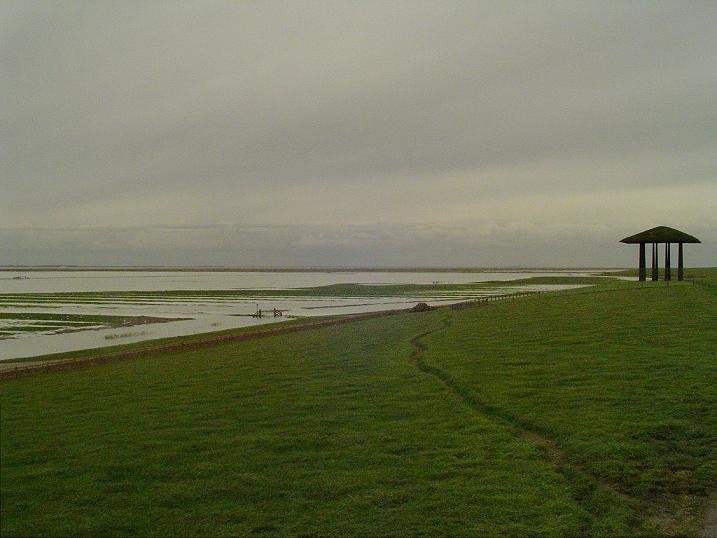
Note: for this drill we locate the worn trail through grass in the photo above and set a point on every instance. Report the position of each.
(590, 484)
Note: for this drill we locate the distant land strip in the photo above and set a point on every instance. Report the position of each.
(300, 269)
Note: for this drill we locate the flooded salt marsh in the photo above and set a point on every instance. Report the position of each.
(217, 311)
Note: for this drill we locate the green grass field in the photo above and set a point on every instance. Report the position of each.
(584, 412)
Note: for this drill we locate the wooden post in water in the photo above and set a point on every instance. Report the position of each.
(667, 262)
(642, 261)
(680, 263)
(654, 261)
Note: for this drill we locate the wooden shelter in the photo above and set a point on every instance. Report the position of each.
(661, 234)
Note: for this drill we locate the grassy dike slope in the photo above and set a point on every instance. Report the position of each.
(621, 384)
(589, 412)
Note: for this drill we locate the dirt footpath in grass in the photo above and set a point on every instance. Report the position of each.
(4, 365)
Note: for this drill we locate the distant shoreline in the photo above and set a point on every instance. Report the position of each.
(70, 268)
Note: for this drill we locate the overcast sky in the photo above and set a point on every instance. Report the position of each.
(353, 134)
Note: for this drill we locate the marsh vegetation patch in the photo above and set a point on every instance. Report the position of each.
(17, 324)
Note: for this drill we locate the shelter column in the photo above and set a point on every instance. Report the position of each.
(641, 270)
(680, 263)
(654, 261)
(667, 262)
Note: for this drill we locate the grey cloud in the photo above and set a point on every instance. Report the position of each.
(338, 113)
(487, 243)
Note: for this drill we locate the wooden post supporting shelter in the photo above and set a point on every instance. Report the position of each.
(642, 262)
(680, 263)
(666, 235)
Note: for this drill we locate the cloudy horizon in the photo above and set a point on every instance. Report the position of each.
(447, 134)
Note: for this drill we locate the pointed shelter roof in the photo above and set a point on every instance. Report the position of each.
(661, 234)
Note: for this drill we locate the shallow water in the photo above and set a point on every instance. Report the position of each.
(77, 281)
(213, 314)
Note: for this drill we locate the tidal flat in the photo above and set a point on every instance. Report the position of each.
(199, 302)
